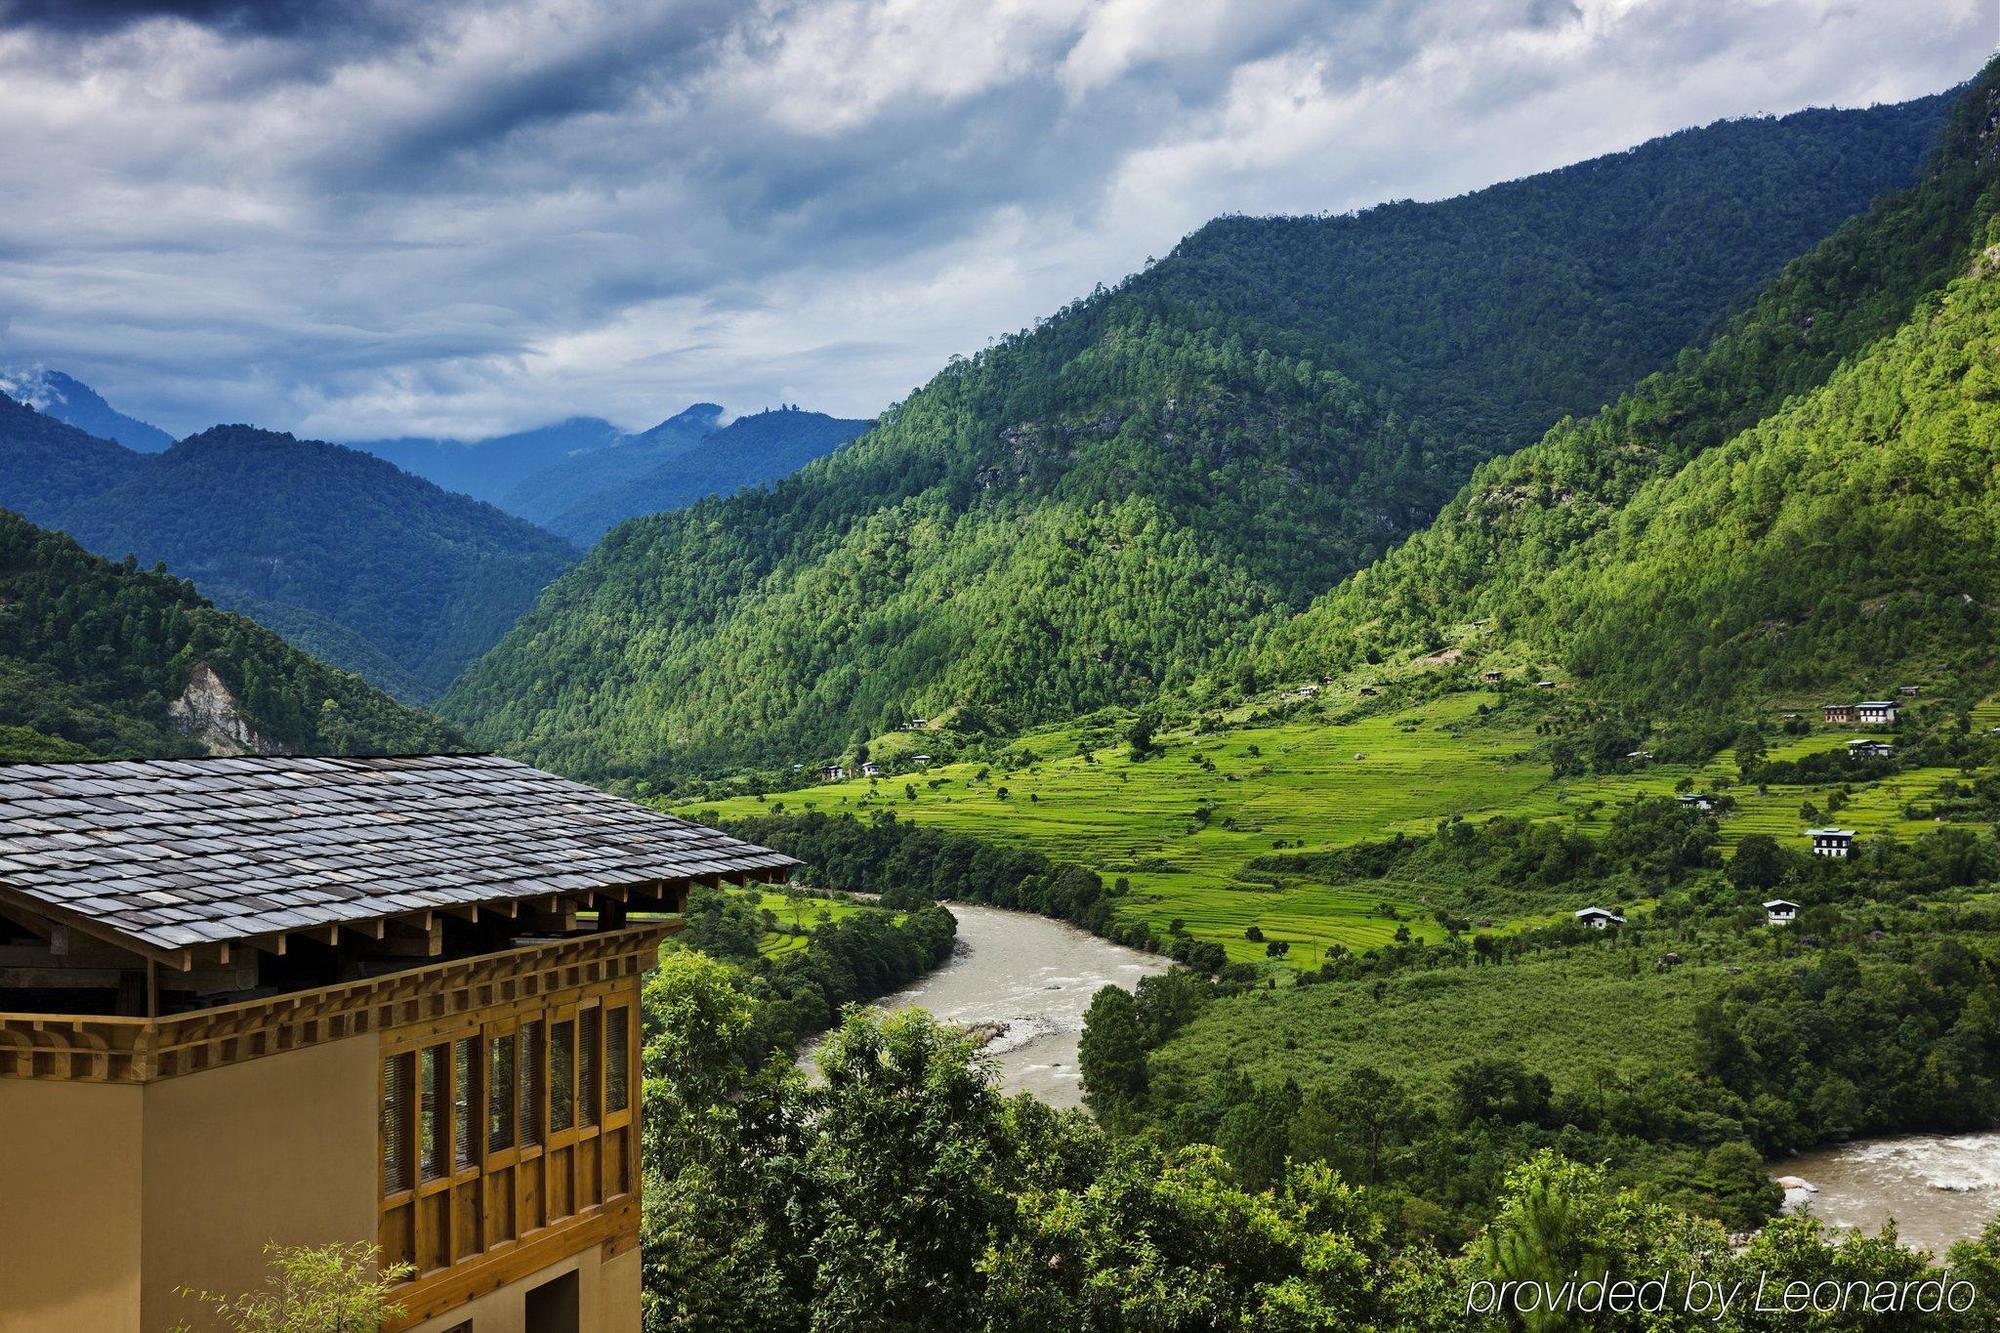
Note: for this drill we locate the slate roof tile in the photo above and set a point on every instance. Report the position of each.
(179, 852)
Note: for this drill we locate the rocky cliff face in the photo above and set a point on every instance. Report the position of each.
(210, 714)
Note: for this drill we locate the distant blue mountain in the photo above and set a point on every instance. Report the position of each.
(489, 469)
(750, 451)
(68, 400)
(581, 477)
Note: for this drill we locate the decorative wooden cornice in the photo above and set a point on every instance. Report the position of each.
(90, 1048)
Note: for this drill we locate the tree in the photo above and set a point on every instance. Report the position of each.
(1352, 1123)
(1759, 863)
(323, 1289)
(1111, 1055)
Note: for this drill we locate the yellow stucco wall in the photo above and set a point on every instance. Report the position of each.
(279, 1150)
(70, 1172)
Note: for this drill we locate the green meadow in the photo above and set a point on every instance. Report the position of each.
(1184, 825)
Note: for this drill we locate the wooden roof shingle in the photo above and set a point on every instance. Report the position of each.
(182, 852)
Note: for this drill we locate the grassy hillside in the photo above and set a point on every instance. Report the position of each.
(92, 654)
(359, 561)
(1098, 509)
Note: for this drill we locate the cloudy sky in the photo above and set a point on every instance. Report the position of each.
(351, 219)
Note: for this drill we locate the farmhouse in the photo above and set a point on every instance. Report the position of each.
(1490, 677)
(833, 772)
(1909, 691)
(916, 724)
(1833, 842)
(1876, 713)
(921, 760)
(1781, 912)
(871, 770)
(1308, 691)
(1597, 918)
(306, 1001)
(1870, 749)
(1701, 801)
(1545, 684)
(1838, 713)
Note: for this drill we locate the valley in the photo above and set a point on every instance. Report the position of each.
(1188, 826)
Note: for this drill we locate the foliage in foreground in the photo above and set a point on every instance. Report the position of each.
(312, 1289)
(901, 1191)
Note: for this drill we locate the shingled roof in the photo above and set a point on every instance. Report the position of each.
(179, 853)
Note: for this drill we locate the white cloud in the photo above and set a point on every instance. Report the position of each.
(473, 217)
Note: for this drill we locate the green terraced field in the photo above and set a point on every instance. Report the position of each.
(1320, 779)
(796, 913)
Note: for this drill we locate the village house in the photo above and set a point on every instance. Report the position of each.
(1781, 912)
(1833, 842)
(1308, 691)
(308, 1001)
(834, 772)
(1597, 918)
(871, 769)
(1490, 677)
(1545, 684)
(1862, 749)
(921, 760)
(1701, 801)
(1909, 691)
(916, 724)
(1868, 713)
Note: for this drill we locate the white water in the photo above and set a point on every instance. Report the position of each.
(1939, 1189)
(1034, 977)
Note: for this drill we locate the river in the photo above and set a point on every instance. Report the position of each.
(1940, 1189)
(1034, 978)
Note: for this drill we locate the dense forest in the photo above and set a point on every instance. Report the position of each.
(351, 559)
(92, 654)
(900, 1190)
(1832, 539)
(1102, 507)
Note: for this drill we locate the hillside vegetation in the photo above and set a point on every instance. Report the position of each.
(1103, 507)
(1535, 538)
(92, 655)
(353, 560)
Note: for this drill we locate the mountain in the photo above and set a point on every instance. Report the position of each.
(1723, 529)
(76, 403)
(102, 659)
(555, 489)
(750, 451)
(353, 559)
(490, 468)
(1107, 505)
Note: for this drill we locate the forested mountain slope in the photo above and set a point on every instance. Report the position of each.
(77, 404)
(350, 558)
(1101, 507)
(109, 660)
(1517, 546)
(750, 451)
(562, 484)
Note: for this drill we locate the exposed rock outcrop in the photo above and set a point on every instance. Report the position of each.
(207, 712)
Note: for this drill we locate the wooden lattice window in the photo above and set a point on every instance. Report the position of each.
(617, 1058)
